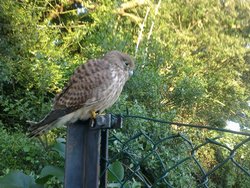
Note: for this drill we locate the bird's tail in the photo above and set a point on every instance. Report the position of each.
(50, 121)
(37, 129)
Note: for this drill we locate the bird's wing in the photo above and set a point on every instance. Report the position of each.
(82, 85)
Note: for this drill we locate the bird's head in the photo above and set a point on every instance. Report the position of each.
(122, 60)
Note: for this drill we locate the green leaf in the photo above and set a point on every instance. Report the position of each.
(60, 148)
(133, 184)
(50, 171)
(26, 148)
(116, 172)
(17, 179)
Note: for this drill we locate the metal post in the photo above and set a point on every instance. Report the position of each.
(82, 164)
(82, 156)
(104, 159)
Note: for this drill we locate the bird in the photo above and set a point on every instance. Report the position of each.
(94, 86)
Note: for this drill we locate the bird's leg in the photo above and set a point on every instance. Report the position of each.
(93, 117)
(93, 114)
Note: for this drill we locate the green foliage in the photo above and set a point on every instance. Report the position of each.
(116, 172)
(231, 177)
(18, 179)
(50, 171)
(195, 75)
(19, 153)
(116, 175)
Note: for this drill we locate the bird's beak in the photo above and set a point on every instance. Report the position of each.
(130, 73)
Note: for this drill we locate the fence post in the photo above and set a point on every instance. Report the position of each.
(82, 156)
(82, 166)
(104, 158)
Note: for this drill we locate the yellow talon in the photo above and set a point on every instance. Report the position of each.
(93, 114)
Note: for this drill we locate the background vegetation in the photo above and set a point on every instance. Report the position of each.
(192, 66)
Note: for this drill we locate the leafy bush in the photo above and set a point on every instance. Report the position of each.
(26, 156)
(20, 153)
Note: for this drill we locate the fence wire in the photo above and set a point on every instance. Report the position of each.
(176, 159)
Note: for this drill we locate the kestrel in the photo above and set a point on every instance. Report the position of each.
(94, 87)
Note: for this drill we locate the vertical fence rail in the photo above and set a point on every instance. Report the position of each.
(82, 165)
(82, 156)
(104, 159)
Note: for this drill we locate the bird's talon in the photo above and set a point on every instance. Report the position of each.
(93, 115)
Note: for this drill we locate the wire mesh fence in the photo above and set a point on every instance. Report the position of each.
(204, 158)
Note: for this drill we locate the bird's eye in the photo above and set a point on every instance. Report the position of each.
(126, 63)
